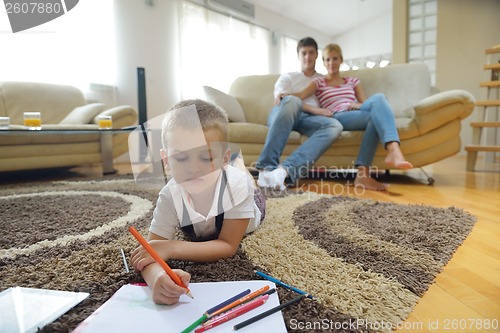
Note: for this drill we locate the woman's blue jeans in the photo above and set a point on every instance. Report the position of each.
(284, 118)
(376, 118)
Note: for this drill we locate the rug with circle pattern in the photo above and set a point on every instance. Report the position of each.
(365, 261)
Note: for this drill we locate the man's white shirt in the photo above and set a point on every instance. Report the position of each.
(295, 82)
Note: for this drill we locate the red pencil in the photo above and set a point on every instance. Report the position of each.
(236, 312)
(159, 260)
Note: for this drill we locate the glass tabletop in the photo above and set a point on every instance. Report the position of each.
(64, 129)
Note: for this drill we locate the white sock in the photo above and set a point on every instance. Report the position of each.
(263, 180)
(277, 178)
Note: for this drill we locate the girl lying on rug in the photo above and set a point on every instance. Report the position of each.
(211, 196)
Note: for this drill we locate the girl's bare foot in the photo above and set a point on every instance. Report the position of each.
(363, 179)
(395, 157)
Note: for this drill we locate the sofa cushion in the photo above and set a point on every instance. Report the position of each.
(83, 114)
(229, 103)
(256, 96)
(54, 101)
(403, 85)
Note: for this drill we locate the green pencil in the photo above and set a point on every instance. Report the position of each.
(215, 308)
(196, 323)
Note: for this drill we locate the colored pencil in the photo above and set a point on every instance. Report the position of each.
(239, 301)
(267, 313)
(213, 318)
(226, 302)
(283, 284)
(236, 312)
(195, 324)
(124, 261)
(159, 260)
(215, 308)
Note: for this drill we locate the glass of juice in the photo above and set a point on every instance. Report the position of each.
(105, 122)
(33, 120)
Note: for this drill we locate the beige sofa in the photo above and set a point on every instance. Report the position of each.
(62, 107)
(428, 124)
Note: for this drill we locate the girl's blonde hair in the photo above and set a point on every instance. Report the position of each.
(332, 47)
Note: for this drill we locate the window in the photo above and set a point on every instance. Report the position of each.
(380, 60)
(289, 60)
(422, 27)
(216, 49)
(76, 48)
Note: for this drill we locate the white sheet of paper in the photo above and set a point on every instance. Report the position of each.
(27, 309)
(131, 309)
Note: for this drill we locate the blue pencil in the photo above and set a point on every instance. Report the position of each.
(283, 284)
(229, 301)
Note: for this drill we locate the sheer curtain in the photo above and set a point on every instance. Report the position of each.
(216, 49)
(290, 61)
(77, 48)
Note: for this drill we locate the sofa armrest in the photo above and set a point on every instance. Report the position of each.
(436, 110)
(82, 114)
(123, 115)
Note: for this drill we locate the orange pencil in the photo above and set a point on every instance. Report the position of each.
(233, 313)
(159, 260)
(240, 301)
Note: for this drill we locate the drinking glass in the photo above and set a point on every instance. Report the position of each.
(105, 122)
(33, 120)
(4, 122)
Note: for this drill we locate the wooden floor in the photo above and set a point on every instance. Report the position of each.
(466, 295)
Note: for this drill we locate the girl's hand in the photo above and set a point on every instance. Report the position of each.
(326, 112)
(354, 106)
(141, 258)
(166, 291)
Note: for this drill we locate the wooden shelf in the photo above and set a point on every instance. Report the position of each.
(493, 102)
(482, 124)
(494, 49)
(490, 84)
(486, 106)
(482, 148)
(491, 67)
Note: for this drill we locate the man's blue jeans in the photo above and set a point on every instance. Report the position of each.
(284, 118)
(376, 118)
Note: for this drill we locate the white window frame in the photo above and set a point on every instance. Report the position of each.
(422, 34)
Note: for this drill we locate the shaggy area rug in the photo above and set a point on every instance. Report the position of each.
(366, 262)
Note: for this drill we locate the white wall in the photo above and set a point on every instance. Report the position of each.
(147, 36)
(371, 38)
(282, 25)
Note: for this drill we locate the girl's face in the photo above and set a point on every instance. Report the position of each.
(195, 162)
(332, 62)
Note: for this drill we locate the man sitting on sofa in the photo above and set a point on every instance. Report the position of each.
(291, 114)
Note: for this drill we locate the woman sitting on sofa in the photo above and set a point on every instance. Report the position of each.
(344, 98)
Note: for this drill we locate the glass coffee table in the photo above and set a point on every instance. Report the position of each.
(50, 134)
